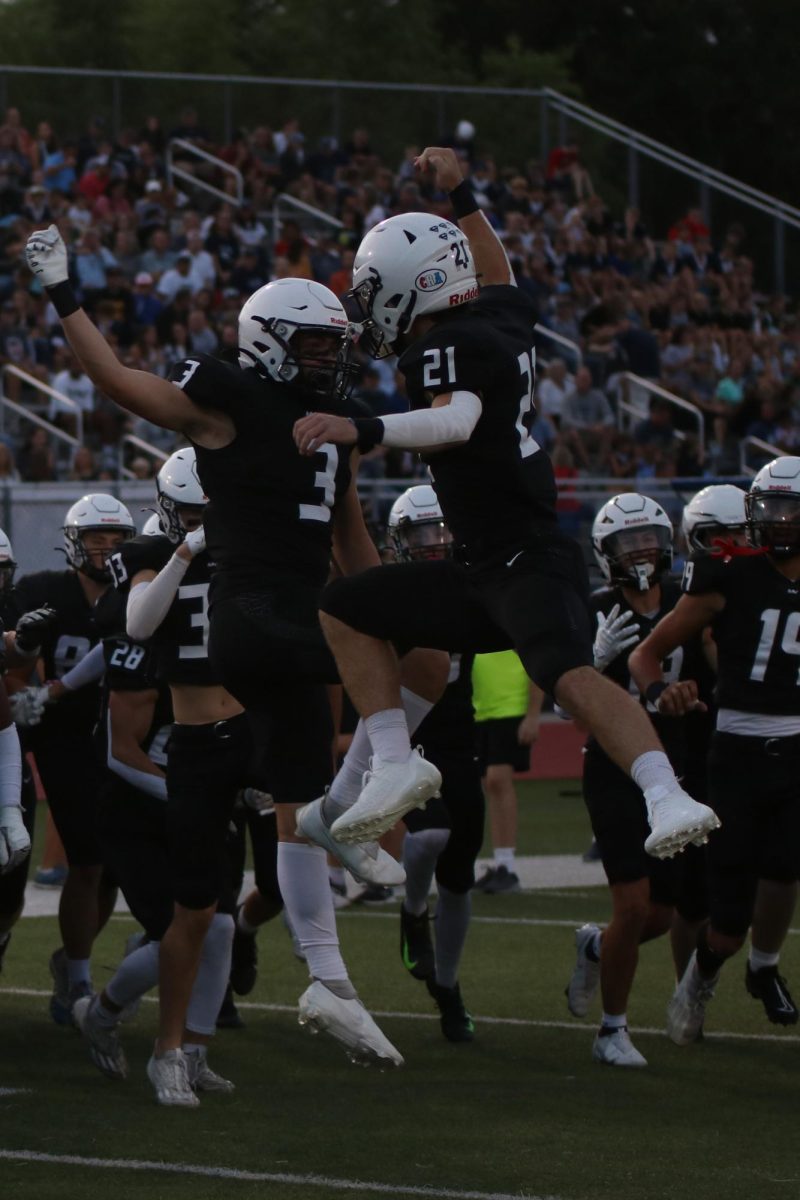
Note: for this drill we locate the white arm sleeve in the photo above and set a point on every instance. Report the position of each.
(453, 422)
(10, 768)
(149, 603)
(151, 785)
(88, 670)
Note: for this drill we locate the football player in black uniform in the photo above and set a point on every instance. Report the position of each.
(752, 603)
(632, 542)
(445, 839)
(517, 582)
(166, 578)
(272, 520)
(94, 527)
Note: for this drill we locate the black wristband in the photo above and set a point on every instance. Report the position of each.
(653, 691)
(370, 432)
(463, 201)
(63, 298)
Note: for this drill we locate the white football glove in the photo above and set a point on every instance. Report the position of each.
(614, 634)
(28, 705)
(195, 541)
(47, 256)
(15, 843)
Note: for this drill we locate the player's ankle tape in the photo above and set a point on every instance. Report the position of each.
(63, 299)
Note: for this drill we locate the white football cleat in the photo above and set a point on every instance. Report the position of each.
(617, 1050)
(104, 1048)
(350, 1023)
(585, 978)
(390, 791)
(169, 1075)
(687, 1009)
(676, 820)
(201, 1077)
(366, 861)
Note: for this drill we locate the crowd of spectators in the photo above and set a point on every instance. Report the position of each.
(163, 271)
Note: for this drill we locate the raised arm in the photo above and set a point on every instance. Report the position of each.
(491, 263)
(138, 392)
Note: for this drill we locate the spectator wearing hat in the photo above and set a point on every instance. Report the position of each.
(36, 207)
(147, 307)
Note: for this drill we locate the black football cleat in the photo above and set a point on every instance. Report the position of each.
(457, 1024)
(416, 947)
(771, 989)
(228, 1015)
(244, 962)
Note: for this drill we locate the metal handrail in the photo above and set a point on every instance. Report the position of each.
(758, 444)
(31, 381)
(130, 439)
(319, 214)
(189, 177)
(676, 159)
(559, 338)
(624, 405)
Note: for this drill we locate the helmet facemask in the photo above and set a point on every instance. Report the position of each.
(82, 559)
(773, 521)
(328, 377)
(422, 541)
(710, 537)
(378, 342)
(638, 557)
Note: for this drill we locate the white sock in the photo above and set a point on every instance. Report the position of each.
(135, 975)
(653, 770)
(758, 959)
(212, 976)
(78, 971)
(614, 1022)
(303, 881)
(349, 781)
(504, 856)
(452, 922)
(420, 853)
(388, 735)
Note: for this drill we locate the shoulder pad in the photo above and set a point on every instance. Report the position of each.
(139, 554)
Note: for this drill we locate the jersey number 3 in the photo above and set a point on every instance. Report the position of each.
(325, 480)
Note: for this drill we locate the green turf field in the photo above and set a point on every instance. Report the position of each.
(520, 1112)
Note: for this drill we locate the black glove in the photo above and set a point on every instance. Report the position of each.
(32, 627)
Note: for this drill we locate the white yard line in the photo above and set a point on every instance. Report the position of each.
(516, 1022)
(307, 1181)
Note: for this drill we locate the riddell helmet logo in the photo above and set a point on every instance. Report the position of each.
(431, 281)
(463, 297)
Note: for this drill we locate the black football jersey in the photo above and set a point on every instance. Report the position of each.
(130, 668)
(671, 730)
(180, 644)
(498, 487)
(757, 633)
(69, 640)
(269, 509)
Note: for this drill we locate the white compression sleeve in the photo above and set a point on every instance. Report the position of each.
(151, 785)
(10, 768)
(88, 670)
(149, 603)
(453, 422)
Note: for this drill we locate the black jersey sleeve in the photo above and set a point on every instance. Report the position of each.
(208, 382)
(142, 553)
(129, 666)
(450, 358)
(706, 573)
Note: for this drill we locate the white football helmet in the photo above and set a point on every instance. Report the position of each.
(417, 527)
(407, 266)
(178, 486)
(95, 512)
(271, 325)
(632, 541)
(153, 527)
(773, 507)
(8, 563)
(715, 511)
